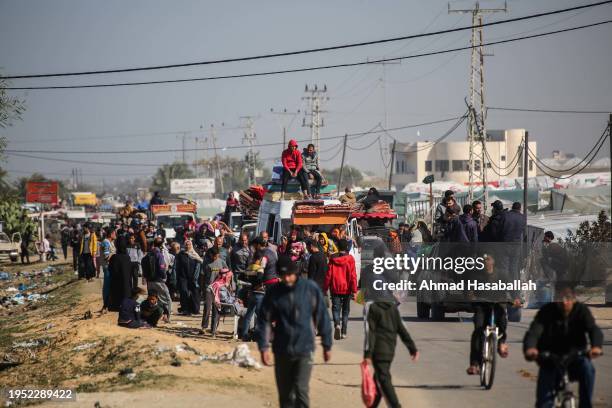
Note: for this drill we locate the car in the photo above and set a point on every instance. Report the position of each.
(10, 248)
(249, 229)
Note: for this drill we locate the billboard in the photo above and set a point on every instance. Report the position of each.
(85, 199)
(192, 186)
(44, 192)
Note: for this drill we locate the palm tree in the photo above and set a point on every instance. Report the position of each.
(167, 172)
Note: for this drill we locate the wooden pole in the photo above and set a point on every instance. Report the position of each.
(342, 164)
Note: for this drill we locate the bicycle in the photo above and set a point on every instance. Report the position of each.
(564, 396)
(489, 351)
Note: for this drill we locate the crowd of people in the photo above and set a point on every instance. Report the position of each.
(283, 292)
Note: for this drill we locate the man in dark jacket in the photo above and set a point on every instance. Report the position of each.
(514, 224)
(469, 224)
(560, 328)
(480, 217)
(454, 231)
(384, 325)
(241, 256)
(494, 229)
(317, 265)
(296, 306)
(341, 280)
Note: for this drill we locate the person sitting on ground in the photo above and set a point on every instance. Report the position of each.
(151, 311)
(348, 197)
(310, 158)
(129, 312)
(293, 169)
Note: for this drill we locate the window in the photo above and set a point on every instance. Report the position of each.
(397, 167)
(461, 165)
(502, 158)
(488, 165)
(477, 165)
(441, 165)
(427, 165)
(530, 165)
(403, 166)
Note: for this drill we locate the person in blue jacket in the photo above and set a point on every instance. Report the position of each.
(297, 308)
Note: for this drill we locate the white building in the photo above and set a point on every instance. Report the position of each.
(449, 161)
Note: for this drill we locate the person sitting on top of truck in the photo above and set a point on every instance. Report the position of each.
(293, 168)
(310, 158)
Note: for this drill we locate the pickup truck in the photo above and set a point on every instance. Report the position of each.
(10, 248)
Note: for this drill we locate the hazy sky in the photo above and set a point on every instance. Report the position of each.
(565, 71)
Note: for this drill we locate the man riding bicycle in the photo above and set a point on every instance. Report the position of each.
(561, 328)
(483, 304)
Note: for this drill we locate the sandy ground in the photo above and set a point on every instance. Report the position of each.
(154, 359)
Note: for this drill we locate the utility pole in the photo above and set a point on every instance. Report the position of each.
(250, 137)
(476, 128)
(284, 127)
(342, 163)
(213, 139)
(392, 163)
(315, 97)
(525, 176)
(383, 81)
(610, 143)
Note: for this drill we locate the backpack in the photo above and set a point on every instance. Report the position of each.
(149, 267)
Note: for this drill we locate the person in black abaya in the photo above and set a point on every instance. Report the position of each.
(120, 267)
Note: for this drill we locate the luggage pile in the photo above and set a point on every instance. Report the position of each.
(319, 207)
(250, 200)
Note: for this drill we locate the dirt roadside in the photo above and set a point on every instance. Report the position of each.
(64, 342)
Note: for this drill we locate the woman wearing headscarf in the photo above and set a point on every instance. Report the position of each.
(120, 270)
(327, 246)
(188, 267)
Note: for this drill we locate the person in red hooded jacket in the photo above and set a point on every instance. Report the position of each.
(293, 168)
(341, 280)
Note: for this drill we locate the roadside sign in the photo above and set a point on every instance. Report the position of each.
(157, 208)
(44, 192)
(192, 186)
(85, 198)
(429, 179)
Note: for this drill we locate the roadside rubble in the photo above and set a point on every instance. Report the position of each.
(240, 356)
(20, 292)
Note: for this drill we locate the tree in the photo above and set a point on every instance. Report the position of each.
(589, 250)
(351, 176)
(15, 219)
(11, 109)
(233, 171)
(167, 172)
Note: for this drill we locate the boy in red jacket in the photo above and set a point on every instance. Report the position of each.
(292, 168)
(341, 280)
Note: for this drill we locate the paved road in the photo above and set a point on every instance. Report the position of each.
(439, 379)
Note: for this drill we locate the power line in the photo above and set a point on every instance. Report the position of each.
(311, 50)
(358, 134)
(601, 139)
(574, 111)
(117, 164)
(124, 136)
(307, 69)
(586, 164)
